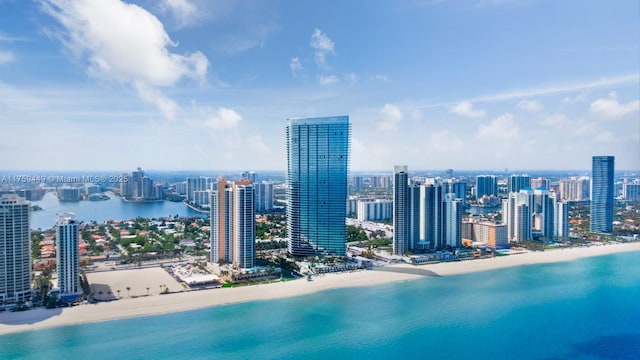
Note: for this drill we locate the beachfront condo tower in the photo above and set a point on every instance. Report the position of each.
(317, 175)
(67, 256)
(602, 194)
(15, 252)
(233, 223)
(401, 210)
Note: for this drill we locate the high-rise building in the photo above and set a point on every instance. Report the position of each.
(374, 209)
(244, 226)
(602, 194)
(574, 189)
(401, 215)
(232, 217)
(516, 214)
(432, 215)
(540, 182)
(486, 185)
(264, 196)
(194, 184)
(221, 208)
(136, 183)
(317, 181)
(250, 175)
(69, 193)
(542, 214)
(529, 214)
(460, 191)
(126, 187)
(67, 256)
(148, 191)
(452, 221)
(158, 191)
(15, 250)
(201, 198)
(631, 191)
(561, 225)
(518, 182)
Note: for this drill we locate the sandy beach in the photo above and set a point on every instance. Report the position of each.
(159, 304)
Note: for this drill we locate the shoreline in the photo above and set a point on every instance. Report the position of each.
(195, 208)
(13, 322)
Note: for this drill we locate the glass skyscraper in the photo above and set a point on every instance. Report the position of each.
(401, 214)
(15, 250)
(602, 194)
(317, 175)
(486, 185)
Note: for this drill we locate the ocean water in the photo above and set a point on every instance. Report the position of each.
(585, 309)
(114, 209)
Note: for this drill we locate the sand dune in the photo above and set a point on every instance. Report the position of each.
(158, 304)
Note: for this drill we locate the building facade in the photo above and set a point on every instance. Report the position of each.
(631, 191)
(232, 220)
(602, 194)
(486, 185)
(67, 256)
(374, 209)
(518, 182)
(317, 184)
(401, 210)
(15, 250)
(574, 189)
(264, 196)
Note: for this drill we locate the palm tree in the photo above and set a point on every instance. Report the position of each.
(147, 291)
(118, 291)
(128, 289)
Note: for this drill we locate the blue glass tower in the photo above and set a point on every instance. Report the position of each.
(602, 194)
(317, 175)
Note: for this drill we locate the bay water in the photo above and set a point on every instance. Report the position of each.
(584, 309)
(99, 211)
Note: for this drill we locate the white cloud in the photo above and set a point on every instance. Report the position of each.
(383, 78)
(465, 109)
(351, 78)
(152, 95)
(184, 11)
(295, 66)
(575, 99)
(357, 145)
(502, 127)
(529, 105)
(323, 45)
(444, 141)
(6, 38)
(223, 119)
(605, 137)
(6, 57)
(611, 108)
(258, 145)
(125, 43)
(391, 116)
(416, 115)
(556, 119)
(328, 79)
(560, 88)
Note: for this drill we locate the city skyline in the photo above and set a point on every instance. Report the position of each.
(518, 84)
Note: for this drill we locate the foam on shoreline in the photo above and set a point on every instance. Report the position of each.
(40, 318)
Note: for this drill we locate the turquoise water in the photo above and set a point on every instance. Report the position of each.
(586, 309)
(114, 209)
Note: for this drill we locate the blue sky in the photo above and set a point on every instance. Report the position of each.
(208, 85)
